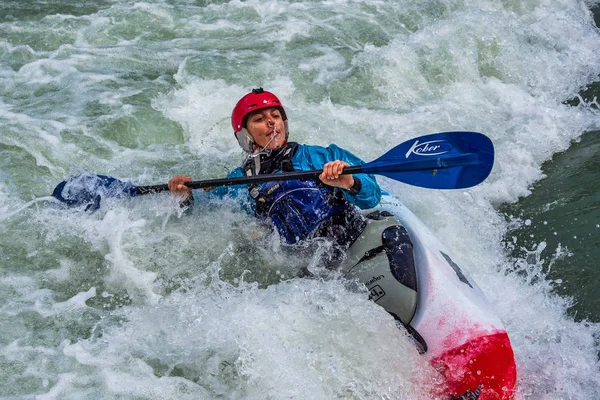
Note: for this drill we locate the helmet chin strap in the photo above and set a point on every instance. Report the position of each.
(260, 151)
(263, 149)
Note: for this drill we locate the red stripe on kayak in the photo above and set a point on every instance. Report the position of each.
(487, 361)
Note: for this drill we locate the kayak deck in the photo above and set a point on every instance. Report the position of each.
(465, 340)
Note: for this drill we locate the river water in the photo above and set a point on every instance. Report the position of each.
(137, 301)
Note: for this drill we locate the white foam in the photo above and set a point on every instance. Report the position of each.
(122, 272)
(298, 337)
(75, 303)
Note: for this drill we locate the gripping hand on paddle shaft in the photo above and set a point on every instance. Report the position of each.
(332, 175)
(177, 185)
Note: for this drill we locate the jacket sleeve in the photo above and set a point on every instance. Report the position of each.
(239, 192)
(314, 157)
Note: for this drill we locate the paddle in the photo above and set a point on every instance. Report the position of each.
(447, 160)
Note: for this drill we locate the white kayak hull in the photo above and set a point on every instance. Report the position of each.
(464, 338)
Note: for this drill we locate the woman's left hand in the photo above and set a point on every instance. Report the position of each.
(332, 175)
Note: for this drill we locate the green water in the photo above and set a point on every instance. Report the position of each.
(563, 212)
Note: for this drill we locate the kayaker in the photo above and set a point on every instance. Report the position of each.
(298, 209)
(374, 248)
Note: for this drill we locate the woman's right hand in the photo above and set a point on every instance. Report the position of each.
(177, 185)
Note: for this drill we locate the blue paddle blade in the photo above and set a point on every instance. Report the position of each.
(447, 160)
(89, 189)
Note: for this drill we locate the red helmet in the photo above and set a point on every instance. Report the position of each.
(255, 100)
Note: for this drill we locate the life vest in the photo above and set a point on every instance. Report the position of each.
(301, 209)
(296, 208)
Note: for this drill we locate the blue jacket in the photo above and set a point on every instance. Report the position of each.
(309, 158)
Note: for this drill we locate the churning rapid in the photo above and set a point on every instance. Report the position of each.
(140, 301)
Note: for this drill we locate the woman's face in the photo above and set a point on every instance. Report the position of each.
(267, 128)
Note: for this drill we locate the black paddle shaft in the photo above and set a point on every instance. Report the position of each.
(209, 183)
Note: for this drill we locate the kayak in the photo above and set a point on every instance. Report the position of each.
(414, 277)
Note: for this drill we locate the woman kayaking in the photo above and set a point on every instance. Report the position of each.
(325, 208)
(298, 209)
